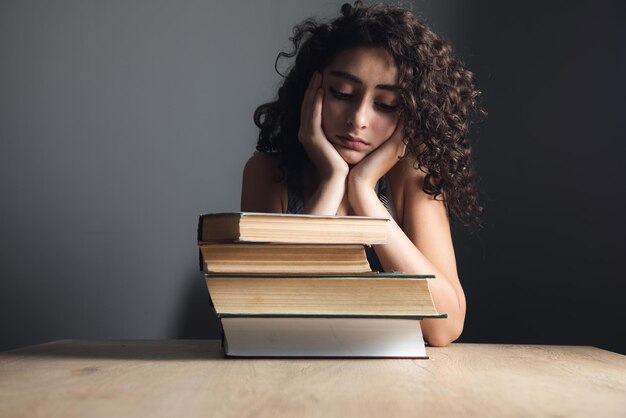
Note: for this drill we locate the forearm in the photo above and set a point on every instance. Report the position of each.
(327, 197)
(401, 254)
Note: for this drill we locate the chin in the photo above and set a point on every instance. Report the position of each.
(352, 160)
(351, 157)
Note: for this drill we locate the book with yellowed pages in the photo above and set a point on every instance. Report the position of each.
(218, 257)
(301, 286)
(291, 228)
(370, 315)
(367, 294)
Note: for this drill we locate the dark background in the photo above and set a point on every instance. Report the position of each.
(121, 122)
(548, 267)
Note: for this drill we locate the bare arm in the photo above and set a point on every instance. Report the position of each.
(331, 169)
(262, 193)
(421, 245)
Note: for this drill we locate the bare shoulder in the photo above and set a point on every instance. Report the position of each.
(263, 189)
(404, 180)
(406, 172)
(407, 183)
(261, 163)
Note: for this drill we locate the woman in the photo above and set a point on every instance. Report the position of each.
(372, 120)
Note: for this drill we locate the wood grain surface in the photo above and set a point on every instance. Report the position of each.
(189, 378)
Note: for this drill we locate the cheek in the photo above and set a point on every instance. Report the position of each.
(330, 116)
(385, 126)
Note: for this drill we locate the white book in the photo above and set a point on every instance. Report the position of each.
(386, 337)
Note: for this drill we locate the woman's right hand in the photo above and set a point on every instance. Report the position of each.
(324, 156)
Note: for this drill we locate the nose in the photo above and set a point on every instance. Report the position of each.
(359, 115)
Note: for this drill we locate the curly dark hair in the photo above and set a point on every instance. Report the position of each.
(438, 98)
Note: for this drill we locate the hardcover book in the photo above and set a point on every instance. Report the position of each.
(370, 294)
(283, 228)
(283, 258)
(249, 336)
(301, 286)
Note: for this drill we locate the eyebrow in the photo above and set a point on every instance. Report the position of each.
(351, 77)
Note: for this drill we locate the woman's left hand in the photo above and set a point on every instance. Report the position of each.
(380, 161)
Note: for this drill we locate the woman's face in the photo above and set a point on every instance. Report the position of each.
(361, 97)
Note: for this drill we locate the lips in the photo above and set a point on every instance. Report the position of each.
(352, 142)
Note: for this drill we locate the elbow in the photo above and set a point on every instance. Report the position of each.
(443, 332)
(443, 336)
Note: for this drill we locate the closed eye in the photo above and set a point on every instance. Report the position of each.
(384, 107)
(340, 95)
(387, 108)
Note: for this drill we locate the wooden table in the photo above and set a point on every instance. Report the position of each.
(189, 378)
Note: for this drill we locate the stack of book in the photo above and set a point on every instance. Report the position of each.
(301, 286)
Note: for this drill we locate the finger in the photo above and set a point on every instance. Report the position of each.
(305, 102)
(398, 138)
(399, 132)
(402, 151)
(309, 95)
(396, 146)
(316, 117)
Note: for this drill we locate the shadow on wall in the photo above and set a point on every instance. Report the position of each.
(198, 321)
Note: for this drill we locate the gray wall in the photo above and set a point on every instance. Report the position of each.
(120, 122)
